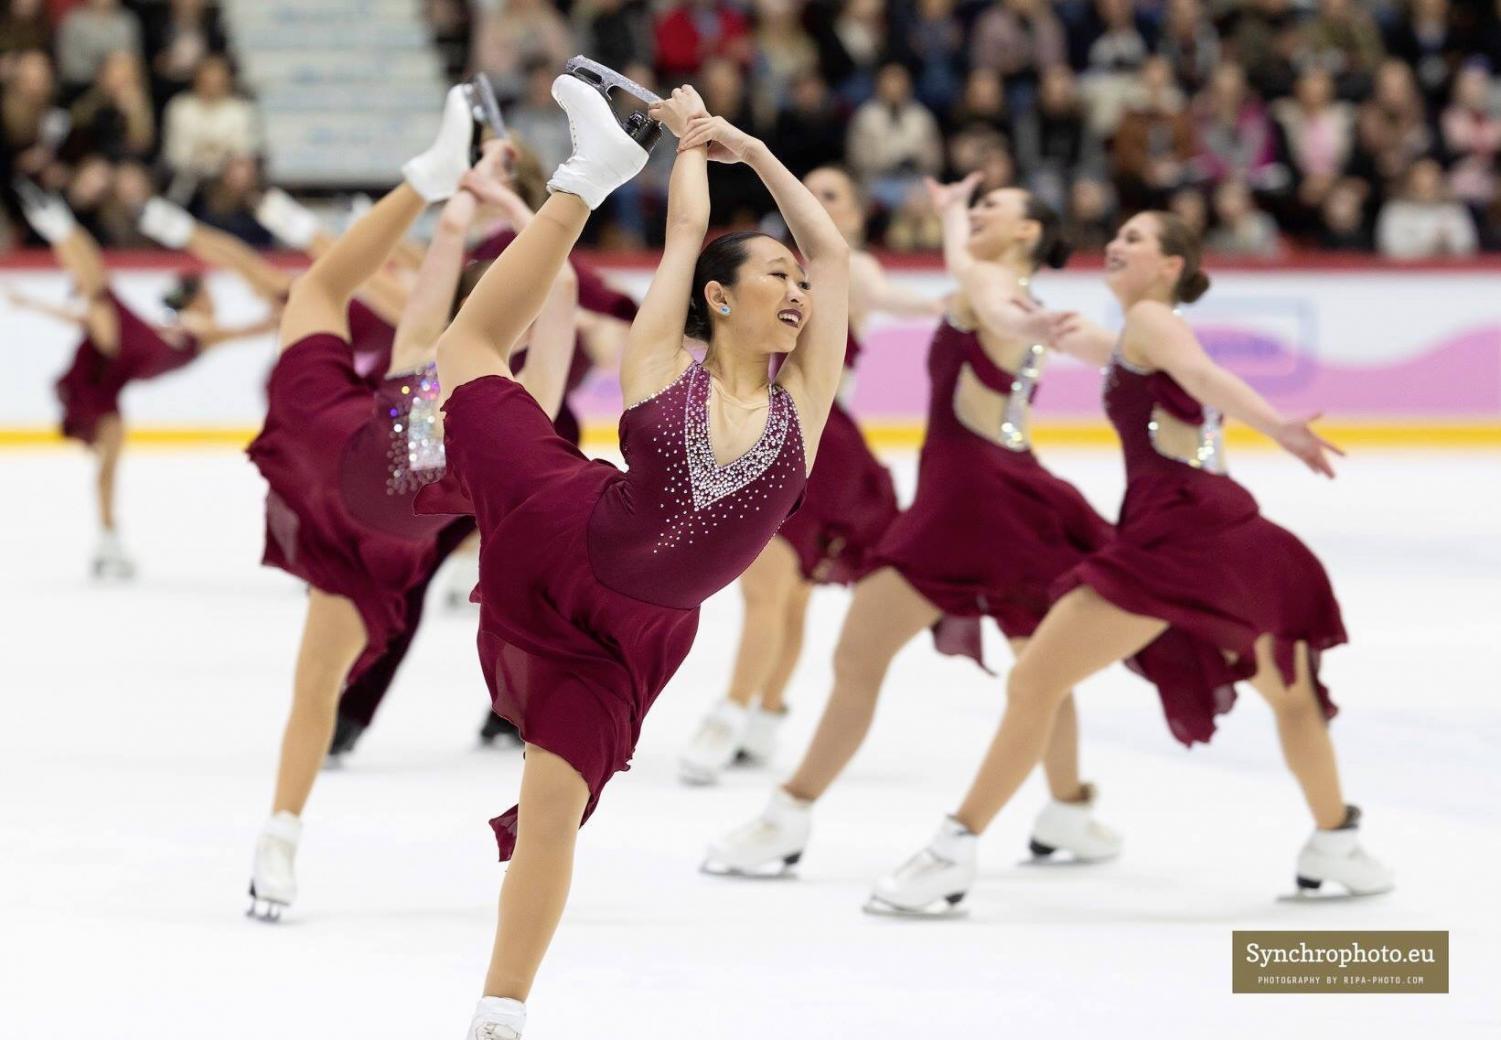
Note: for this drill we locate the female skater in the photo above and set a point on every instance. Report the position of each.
(989, 530)
(118, 349)
(581, 628)
(849, 504)
(343, 462)
(1197, 587)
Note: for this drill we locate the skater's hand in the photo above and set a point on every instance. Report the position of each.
(1034, 322)
(942, 196)
(727, 143)
(1298, 438)
(675, 111)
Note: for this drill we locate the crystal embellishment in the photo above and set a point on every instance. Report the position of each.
(709, 481)
(417, 456)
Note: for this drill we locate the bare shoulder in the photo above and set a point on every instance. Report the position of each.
(1152, 314)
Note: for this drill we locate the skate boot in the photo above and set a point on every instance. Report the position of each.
(48, 215)
(273, 883)
(497, 1018)
(768, 846)
(931, 883)
(166, 223)
(110, 562)
(1070, 828)
(287, 219)
(759, 741)
(498, 732)
(606, 152)
(714, 744)
(435, 174)
(347, 733)
(1337, 856)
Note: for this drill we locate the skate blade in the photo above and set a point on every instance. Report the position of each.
(1311, 897)
(484, 104)
(694, 778)
(939, 910)
(783, 871)
(1066, 860)
(266, 911)
(332, 764)
(603, 79)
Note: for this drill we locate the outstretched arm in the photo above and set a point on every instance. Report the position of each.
(1166, 342)
(78, 253)
(869, 278)
(70, 315)
(1079, 337)
(549, 352)
(951, 203)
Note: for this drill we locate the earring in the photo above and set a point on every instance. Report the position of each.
(724, 309)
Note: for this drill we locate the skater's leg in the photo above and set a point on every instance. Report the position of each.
(553, 796)
(1081, 635)
(884, 616)
(109, 438)
(1304, 732)
(332, 638)
(773, 693)
(1060, 762)
(766, 588)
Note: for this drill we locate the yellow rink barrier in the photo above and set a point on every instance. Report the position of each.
(890, 436)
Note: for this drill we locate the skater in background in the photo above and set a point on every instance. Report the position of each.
(1198, 591)
(118, 348)
(591, 579)
(849, 503)
(989, 530)
(343, 461)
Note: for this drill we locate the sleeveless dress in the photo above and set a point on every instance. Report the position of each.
(850, 501)
(90, 389)
(1193, 549)
(591, 578)
(343, 463)
(990, 529)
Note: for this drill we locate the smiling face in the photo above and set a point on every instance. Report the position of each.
(770, 300)
(999, 225)
(836, 193)
(1135, 266)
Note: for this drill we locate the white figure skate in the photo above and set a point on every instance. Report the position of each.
(758, 744)
(435, 174)
(497, 1018)
(768, 846)
(933, 882)
(48, 215)
(714, 744)
(1068, 833)
(287, 219)
(1336, 856)
(607, 151)
(273, 881)
(166, 223)
(110, 561)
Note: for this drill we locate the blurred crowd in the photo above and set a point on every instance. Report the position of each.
(1360, 125)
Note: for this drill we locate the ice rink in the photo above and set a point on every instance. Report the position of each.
(141, 726)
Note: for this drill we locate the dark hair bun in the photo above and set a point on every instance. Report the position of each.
(1059, 250)
(697, 325)
(1193, 287)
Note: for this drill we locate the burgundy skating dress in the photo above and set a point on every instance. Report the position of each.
(90, 389)
(344, 463)
(849, 504)
(590, 578)
(990, 529)
(1192, 548)
(595, 295)
(371, 338)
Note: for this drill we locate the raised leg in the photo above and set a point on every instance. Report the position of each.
(1304, 732)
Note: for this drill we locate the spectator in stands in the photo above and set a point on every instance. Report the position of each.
(450, 24)
(208, 125)
(1471, 129)
(1266, 39)
(1427, 40)
(120, 207)
(1188, 205)
(1343, 223)
(1240, 228)
(851, 42)
(935, 43)
(113, 118)
(982, 104)
(510, 36)
(1020, 40)
(914, 226)
(1091, 220)
(618, 32)
(893, 140)
(1318, 134)
(1053, 140)
(1423, 221)
(783, 53)
(90, 34)
(31, 124)
(969, 150)
(1190, 44)
(538, 121)
(1234, 133)
(691, 32)
(228, 202)
(1154, 142)
(1343, 38)
(23, 27)
(1113, 37)
(1392, 125)
(179, 38)
(809, 133)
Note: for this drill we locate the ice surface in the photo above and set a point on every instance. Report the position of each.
(141, 726)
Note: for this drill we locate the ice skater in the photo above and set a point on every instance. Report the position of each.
(849, 503)
(344, 460)
(591, 578)
(1198, 591)
(118, 348)
(990, 529)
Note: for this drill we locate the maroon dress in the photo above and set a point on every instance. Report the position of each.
(371, 338)
(1193, 549)
(850, 502)
(343, 463)
(591, 578)
(990, 529)
(90, 389)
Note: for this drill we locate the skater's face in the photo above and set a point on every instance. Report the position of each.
(1136, 268)
(999, 226)
(836, 192)
(770, 301)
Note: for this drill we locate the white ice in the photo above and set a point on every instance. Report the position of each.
(141, 727)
